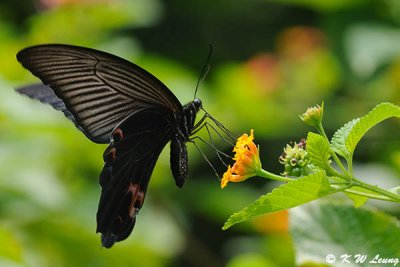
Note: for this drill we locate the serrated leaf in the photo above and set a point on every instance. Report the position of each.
(322, 229)
(286, 196)
(318, 148)
(345, 140)
(381, 112)
(338, 141)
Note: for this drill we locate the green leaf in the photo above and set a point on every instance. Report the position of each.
(250, 260)
(357, 199)
(379, 113)
(11, 248)
(286, 196)
(345, 140)
(322, 229)
(395, 190)
(318, 149)
(338, 142)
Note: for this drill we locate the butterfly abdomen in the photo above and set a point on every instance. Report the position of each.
(179, 160)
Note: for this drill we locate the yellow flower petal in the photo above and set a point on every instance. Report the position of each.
(247, 161)
(226, 177)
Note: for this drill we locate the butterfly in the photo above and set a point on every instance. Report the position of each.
(114, 101)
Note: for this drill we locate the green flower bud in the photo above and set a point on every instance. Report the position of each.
(313, 116)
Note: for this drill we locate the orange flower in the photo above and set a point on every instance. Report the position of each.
(247, 161)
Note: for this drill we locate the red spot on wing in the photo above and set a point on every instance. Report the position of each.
(137, 199)
(118, 135)
(109, 154)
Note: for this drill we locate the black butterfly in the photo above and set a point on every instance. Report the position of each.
(112, 100)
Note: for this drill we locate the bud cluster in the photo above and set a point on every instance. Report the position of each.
(295, 159)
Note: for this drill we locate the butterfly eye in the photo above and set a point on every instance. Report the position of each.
(197, 103)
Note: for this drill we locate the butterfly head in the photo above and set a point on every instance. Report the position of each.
(197, 104)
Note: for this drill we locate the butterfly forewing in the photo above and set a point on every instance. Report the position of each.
(98, 88)
(46, 95)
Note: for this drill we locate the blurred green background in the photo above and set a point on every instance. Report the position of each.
(271, 60)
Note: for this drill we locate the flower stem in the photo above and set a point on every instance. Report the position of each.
(265, 174)
(338, 174)
(350, 165)
(321, 130)
(364, 194)
(383, 192)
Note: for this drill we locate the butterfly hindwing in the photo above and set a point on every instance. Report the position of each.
(98, 88)
(129, 161)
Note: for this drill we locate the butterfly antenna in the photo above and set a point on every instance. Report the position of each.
(204, 71)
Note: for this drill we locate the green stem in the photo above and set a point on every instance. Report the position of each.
(321, 130)
(360, 193)
(364, 194)
(339, 163)
(340, 189)
(350, 164)
(383, 192)
(337, 174)
(265, 174)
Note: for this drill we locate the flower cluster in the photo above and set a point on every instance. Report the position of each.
(247, 160)
(295, 158)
